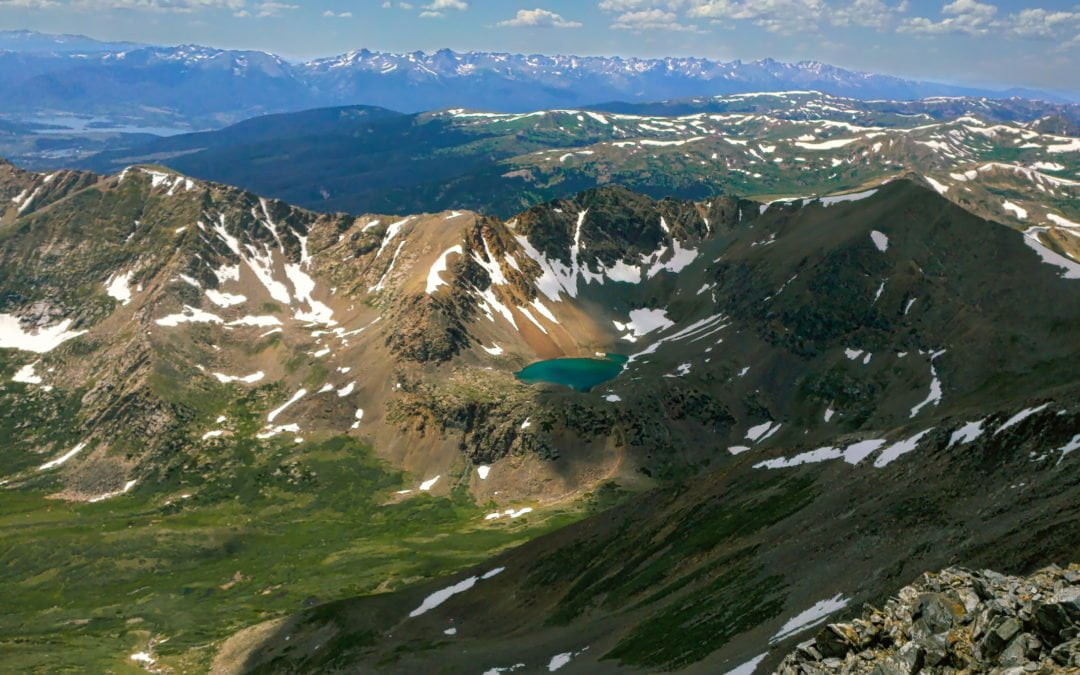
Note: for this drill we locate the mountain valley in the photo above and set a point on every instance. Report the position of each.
(228, 415)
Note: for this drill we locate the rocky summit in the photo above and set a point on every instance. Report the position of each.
(957, 621)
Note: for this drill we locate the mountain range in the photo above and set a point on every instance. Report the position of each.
(775, 381)
(228, 415)
(1014, 161)
(33, 41)
(203, 87)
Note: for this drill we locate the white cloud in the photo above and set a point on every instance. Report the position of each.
(960, 16)
(442, 5)
(650, 19)
(777, 16)
(1038, 22)
(331, 14)
(977, 18)
(539, 18)
(269, 8)
(438, 8)
(867, 13)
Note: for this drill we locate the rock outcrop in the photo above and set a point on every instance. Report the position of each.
(957, 621)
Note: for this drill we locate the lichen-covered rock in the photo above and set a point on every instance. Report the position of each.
(957, 621)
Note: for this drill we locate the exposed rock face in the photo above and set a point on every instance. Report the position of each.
(957, 621)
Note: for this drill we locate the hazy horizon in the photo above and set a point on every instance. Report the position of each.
(987, 45)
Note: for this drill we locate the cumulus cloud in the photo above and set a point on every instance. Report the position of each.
(777, 16)
(269, 8)
(438, 8)
(1038, 22)
(650, 19)
(867, 13)
(960, 16)
(972, 17)
(789, 17)
(539, 18)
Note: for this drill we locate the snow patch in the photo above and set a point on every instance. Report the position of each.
(1019, 211)
(434, 278)
(1071, 446)
(749, 667)
(1071, 267)
(642, 322)
(891, 453)
(428, 484)
(857, 452)
(224, 299)
(966, 433)
(270, 432)
(189, 315)
(246, 379)
(762, 431)
(439, 597)
(1021, 416)
(295, 397)
(41, 341)
(881, 240)
(26, 375)
(810, 457)
(827, 145)
(109, 495)
(850, 197)
(940, 187)
(811, 617)
(118, 287)
(934, 397)
(62, 458)
(257, 321)
(509, 513)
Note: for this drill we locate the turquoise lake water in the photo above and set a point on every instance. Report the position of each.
(578, 374)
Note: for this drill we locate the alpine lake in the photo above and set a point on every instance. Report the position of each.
(580, 374)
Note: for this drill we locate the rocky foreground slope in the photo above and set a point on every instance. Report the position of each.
(957, 621)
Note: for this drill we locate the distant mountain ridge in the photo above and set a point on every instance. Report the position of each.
(33, 41)
(197, 86)
(1000, 159)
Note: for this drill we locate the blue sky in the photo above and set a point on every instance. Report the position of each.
(992, 43)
